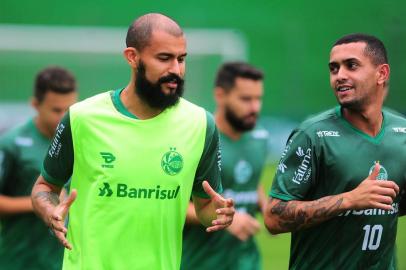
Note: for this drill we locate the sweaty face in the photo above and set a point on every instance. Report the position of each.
(51, 110)
(153, 94)
(353, 76)
(242, 104)
(161, 69)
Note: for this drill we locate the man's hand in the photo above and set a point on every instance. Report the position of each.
(224, 209)
(56, 219)
(244, 226)
(372, 193)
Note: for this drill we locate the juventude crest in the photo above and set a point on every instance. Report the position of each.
(242, 172)
(382, 175)
(172, 162)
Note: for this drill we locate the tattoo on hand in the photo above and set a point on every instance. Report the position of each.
(51, 197)
(295, 215)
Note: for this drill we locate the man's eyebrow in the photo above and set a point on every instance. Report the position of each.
(348, 60)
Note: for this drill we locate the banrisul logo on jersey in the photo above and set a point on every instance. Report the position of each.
(121, 190)
(172, 162)
(383, 173)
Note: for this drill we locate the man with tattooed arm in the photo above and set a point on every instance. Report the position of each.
(340, 184)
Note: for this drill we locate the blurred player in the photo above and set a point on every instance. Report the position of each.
(337, 219)
(25, 241)
(135, 155)
(238, 94)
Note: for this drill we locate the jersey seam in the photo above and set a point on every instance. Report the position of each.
(281, 196)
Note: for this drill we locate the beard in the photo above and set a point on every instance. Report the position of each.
(356, 104)
(152, 94)
(239, 123)
(353, 105)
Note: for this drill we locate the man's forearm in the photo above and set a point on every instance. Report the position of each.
(44, 199)
(287, 216)
(205, 211)
(191, 217)
(15, 205)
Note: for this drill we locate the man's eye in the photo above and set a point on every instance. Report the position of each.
(333, 69)
(352, 65)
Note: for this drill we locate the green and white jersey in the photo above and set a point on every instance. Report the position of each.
(134, 179)
(25, 241)
(242, 162)
(325, 156)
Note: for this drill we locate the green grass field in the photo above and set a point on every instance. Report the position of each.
(275, 249)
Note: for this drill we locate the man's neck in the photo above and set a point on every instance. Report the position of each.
(42, 128)
(224, 127)
(135, 105)
(368, 120)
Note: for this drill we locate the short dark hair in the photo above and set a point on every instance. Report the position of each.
(374, 48)
(229, 72)
(53, 79)
(140, 31)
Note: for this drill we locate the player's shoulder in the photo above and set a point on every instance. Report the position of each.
(393, 117)
(190, 107)
(325, 119)
(93, 100)
(191, 110)
(99, 104)
(19, 135)
(259, 133)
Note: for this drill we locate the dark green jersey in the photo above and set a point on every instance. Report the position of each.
(25, 241)
(242, 163)
(326, 155)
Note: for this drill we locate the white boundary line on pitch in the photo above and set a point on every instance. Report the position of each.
(229, 44)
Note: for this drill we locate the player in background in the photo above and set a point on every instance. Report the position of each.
(135, 156)
(25, 241)
(340, 180)
(238, 94)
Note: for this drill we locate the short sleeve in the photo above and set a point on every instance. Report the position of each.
(7, 161)
(58, 164)
(402, 204)
(295, 174)
(210, 162)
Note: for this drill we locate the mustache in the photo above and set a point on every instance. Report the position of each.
(170, 78)
(252, 114)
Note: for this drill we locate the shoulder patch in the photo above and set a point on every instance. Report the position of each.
(24, 141)
(399, 129)
(260, 134)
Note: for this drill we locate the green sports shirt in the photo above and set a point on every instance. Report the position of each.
(25, 241)
(325, 156)
(242, 163)
(134, 179)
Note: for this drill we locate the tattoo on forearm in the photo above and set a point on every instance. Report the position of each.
(51, 197)
(294, 215)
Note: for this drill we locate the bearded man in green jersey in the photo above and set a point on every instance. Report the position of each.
(135, 155)
(341, 179)
(25, 242)
(238, 94)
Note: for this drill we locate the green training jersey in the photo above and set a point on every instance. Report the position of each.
(242, 162)
(325, 156)
(134, 179)
(25, 241)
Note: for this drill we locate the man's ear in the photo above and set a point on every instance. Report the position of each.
(34, 103)
(383, 73)
(131, 55)
(219, 95)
